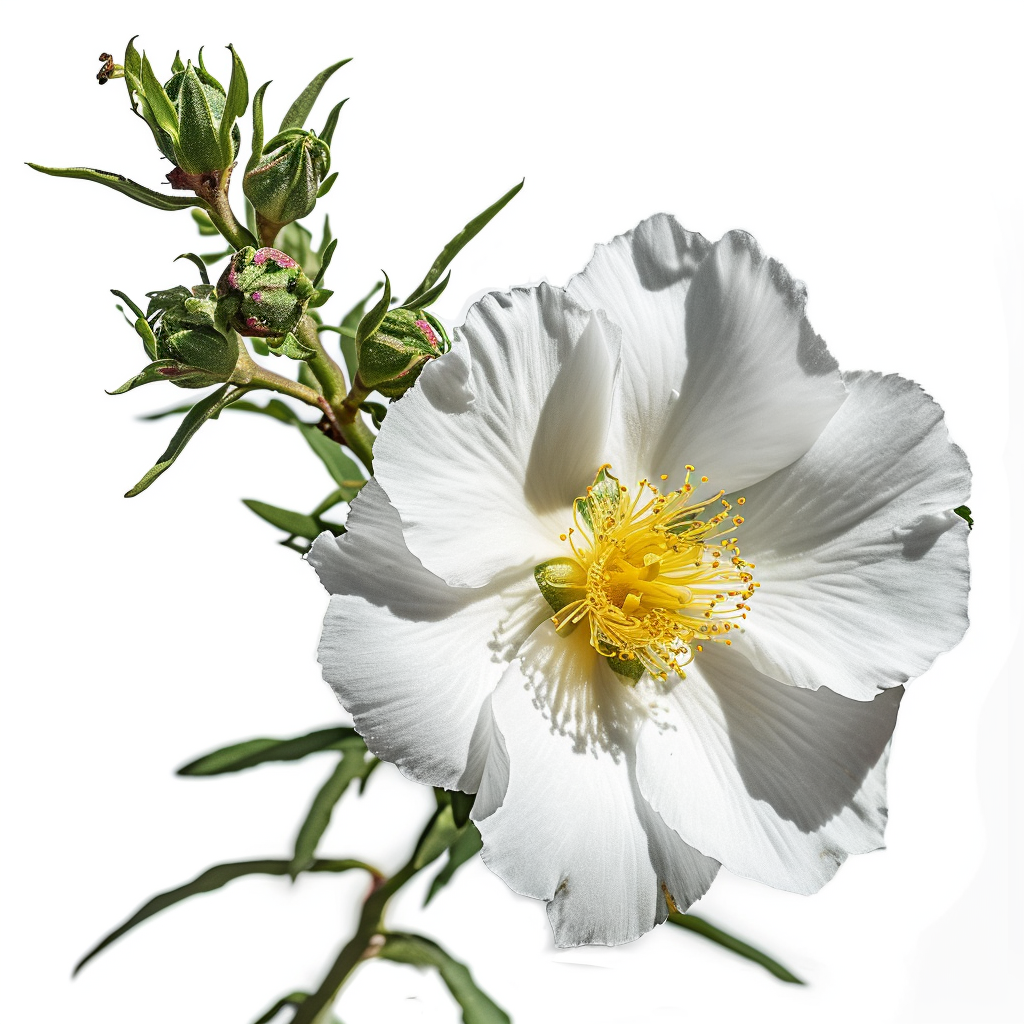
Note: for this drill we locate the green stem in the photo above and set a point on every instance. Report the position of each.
(344, 404)
(223, 216)
(248, 371)
(324, 368)
(317, 1008)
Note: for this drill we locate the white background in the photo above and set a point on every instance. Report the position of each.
(876, 150)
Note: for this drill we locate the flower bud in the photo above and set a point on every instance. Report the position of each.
(283, 186)
(185, 114)
(393, 356)
(263, 293)
(184, 327)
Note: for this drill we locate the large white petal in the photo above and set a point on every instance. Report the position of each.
(641, 279)
(862, 564)
(760, 385)
(410, 658)
(778, 783)
(486, 454)
(561, 815)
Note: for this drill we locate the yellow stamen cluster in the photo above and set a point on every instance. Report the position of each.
(655, 574)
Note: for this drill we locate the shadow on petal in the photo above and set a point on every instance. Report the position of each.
(804, 752)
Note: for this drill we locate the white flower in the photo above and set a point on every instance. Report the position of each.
(758, 735)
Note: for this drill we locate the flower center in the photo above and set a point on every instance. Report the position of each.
(657, 575)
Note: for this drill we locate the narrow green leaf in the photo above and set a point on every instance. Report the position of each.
(343, 470)
(321, 297)
(212, 878)
(439, 834)
(464, 849)
(356, 764)
(451, 250)
(377, 411)
(205, 75)
(209, 258)
(349, 325)
(199, 143)
(240, 756)
(296, 240)
(299, 110)
(282, 138)
(430, 295)
(338, 496)
(132, 69)
(292, 999)
(200, 265)
(166, 370)
(257, 127)
(125, 186)
(177, 64)
(325, 261)
(730, 942)
(176, 411)
(275, 408)
(208, 409)
(372, 320)
(332, 122)
(296, 524)
(326, 237)
(965, 514)
(157, 100)
(326, 185)
(135, 309)
(477, 1007)
(234, 106)
(205, 226)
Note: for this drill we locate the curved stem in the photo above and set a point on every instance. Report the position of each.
(324, 368)
(214, 189)
(248, 371)
(343, 411)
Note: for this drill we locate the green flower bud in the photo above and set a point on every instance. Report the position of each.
(184, 329)
(191, 116)
(393, 356)
(181, 338)
(263, 293)
(283, 186)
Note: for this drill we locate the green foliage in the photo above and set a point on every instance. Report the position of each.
(730, 942)
(204, 224)
(344, 471)
(464, 849)
(250, 753)
(965, 514)
(295, 524)
(299, 110)
(456, 244)
(208, 409)
(292, 999)
(212, 878)
(127, 187)
(356, 764)
(440, 834)
(477, 1007)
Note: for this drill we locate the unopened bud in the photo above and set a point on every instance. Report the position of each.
(184, 326)
(393, 356)
(263, 293)
(283, 186)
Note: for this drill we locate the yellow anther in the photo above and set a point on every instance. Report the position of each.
(648, 572)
